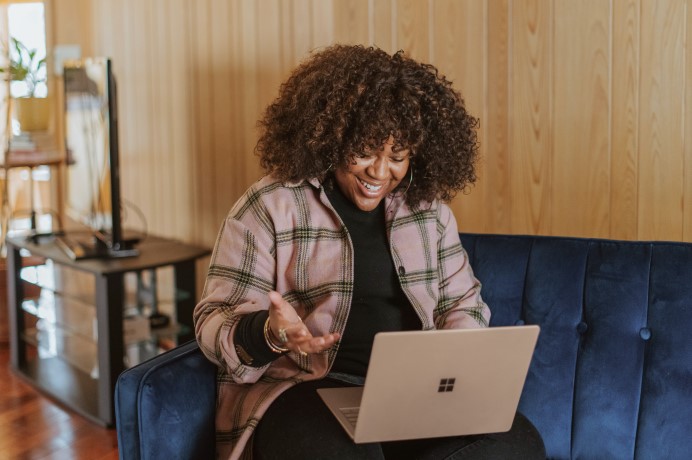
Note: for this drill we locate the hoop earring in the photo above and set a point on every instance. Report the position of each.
(326, 171)
(409, 182)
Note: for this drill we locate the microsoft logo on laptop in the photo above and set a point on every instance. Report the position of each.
(446, 385)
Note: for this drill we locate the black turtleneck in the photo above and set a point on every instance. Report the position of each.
(379, 303)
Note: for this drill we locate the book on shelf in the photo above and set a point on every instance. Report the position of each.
(27, 149)
(22, 142)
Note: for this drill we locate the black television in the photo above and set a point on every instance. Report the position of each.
(92, 195)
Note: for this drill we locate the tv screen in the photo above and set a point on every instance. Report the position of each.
(91, 137)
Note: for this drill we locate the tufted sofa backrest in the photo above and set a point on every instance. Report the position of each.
(611, 376)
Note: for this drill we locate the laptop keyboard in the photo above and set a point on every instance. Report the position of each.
(351, 414)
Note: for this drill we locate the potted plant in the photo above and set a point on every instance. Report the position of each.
(31, 111)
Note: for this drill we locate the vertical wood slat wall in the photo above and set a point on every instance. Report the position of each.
(585, 106)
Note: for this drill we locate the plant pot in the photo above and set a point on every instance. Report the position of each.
(32, 113)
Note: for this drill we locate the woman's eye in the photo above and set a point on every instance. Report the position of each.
(398, 159)
(363, 154)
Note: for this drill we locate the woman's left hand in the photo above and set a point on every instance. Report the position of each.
(287, 326)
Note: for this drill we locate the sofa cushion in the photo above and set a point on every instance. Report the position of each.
(610, 375)
(165, 407)
(665, 412)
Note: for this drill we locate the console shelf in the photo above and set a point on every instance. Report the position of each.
(70, 340)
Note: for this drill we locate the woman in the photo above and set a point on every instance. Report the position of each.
(346, 236)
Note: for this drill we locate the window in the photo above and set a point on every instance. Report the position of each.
(26, 23)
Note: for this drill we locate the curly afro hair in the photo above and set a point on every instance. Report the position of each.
(346, 100)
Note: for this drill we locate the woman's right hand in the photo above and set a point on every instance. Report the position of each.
(288, 328)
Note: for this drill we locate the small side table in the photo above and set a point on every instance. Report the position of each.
(70, 342)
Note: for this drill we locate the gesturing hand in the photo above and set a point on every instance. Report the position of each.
(287, 326)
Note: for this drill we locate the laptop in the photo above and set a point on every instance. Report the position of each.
(426, 384)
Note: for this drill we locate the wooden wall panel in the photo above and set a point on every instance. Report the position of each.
(624, 118)
(495, 123)
(584, 106)
(531, 117)
(322, 13)
(687, 118)
(236, 151)
(76, 21)
(220, 159)
(580, 113)
(412, 32)
(180, 119)
(303, 27)
(150, 135)
(661, 155)
(159, 70)
(381, 21)
(461, 58)
(351, 21)
(123, 35)
(203, 155)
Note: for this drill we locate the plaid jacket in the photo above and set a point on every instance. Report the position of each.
(288, 237)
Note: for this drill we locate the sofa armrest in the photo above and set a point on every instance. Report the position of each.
(165, 407)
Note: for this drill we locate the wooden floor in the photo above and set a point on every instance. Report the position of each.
(34, 427)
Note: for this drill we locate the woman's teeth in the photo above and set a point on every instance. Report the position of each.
(370, 187)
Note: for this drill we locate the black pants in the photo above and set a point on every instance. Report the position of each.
(299, 426)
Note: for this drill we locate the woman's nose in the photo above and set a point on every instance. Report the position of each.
(378, 168)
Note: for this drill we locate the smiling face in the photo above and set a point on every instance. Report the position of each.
(368, 179)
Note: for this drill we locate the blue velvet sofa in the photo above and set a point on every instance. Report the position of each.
(611, 376)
